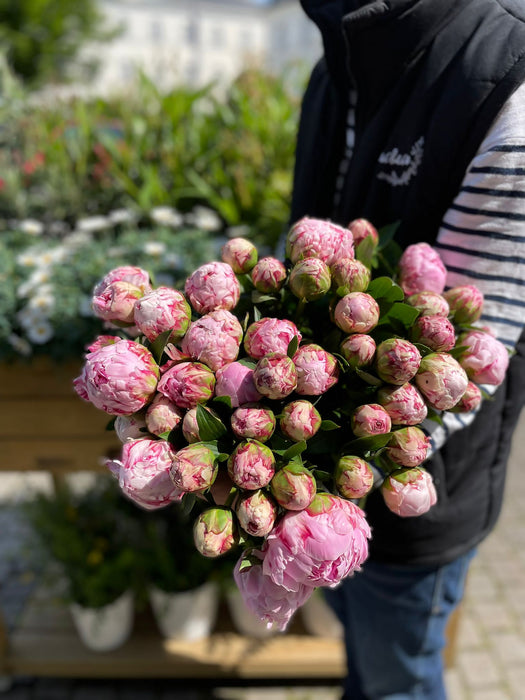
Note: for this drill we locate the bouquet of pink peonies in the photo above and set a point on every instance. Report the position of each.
(283, 392)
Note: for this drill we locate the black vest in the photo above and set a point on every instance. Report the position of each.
(431, 76)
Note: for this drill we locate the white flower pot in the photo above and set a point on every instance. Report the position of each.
(186, 615)
(245, 621)
(319, 619)
(106, 628)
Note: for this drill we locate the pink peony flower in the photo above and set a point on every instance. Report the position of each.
(117, 302)
(253, 421)
(268, 601)
(361, 229)
(256, 512)
(358, 349)
(397, 360)
(213, 286)
(161, 310)
(404, 404)
(356, 312)
(436, 332)
(293, 486)
(421, 270)
(317, 546)
(300, 420)
(144, 473)
(133, 275)
(441, 380)
(236, 381)
(187, 384)
(486, 360)
(408, 446)
(268, 275)
(470, 400)
(275, 376)
(251, 465)
(119, 379)
(270, 335)
(429, 303)
(101, 341)
(409, 492)
(310, 279)
(350, 275)
(213, 339)
(194, 468)
(162, 415)
(240, 254)
(370, 419)
(466, 303)
(353, 477)
(317, 370)
(317, 238)
(214, 532)
(131, 427)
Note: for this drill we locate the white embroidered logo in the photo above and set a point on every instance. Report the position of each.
(408, 162)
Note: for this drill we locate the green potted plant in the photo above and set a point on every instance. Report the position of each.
(89, 538)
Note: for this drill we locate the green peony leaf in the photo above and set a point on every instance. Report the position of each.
(385, 289)
(210, 427)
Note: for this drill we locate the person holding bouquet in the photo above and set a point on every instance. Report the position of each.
(416, 114)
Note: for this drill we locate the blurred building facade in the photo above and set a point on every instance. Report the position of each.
(201, 41)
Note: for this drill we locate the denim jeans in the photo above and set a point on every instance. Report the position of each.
(395, 619)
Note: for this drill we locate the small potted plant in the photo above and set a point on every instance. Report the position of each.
(89, 536)
(181, 586)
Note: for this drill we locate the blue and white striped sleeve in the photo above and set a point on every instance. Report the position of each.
(482, 238)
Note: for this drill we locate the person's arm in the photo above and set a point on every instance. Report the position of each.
(482, 239)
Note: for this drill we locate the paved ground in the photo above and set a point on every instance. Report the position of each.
(490, 661)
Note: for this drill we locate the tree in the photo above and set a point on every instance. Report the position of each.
(41, 38)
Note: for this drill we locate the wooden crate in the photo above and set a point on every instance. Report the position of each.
(45, 425)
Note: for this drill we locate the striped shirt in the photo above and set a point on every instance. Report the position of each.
(482, 236)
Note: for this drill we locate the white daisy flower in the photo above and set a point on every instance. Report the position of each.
(172, 260)
(19, 344)
(77, 239)
(154, 248)
(115, 251)
(91, 224)
(27, 259)
(42, 275)
(42, 301)
(205, 219)
(240, 231)
(40, 332)
(166, 216)
(28, 317)
(32, 227)
(122, 216)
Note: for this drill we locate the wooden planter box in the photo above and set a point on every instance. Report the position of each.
(45, 425)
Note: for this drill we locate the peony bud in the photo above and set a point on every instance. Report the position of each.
(293, 487)
(310, 279)
(370, 419)
(253, 421)
(236, 382)
(358, 349)
(429, 304)
(161, 310)
(251, 465)
(361, 229)
(486, 359)
(240, 254)
(421, 269)
(213, 339)
(397, 360)
(409, 492)
(213, 286)
(466, 303)
(353, 477)
(275, 376)
(349, 275)
(135, 276)
(268, 275)
(190, 426)
(214, 532)
(357, 312)
(441, 380)
(317, 238)
(256, 512)
(130, 427)
(404, 404)
(436, 332)
(117, 302)
(300, 420)
(470, 400)
(194, 468)
(408, 446)
(162, 415)
(270, 335)
(317, 370)
(187, 384)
